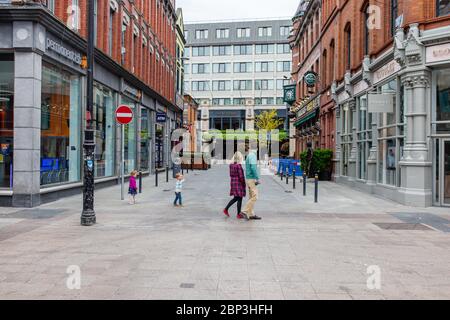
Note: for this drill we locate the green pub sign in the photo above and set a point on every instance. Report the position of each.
(289, 93)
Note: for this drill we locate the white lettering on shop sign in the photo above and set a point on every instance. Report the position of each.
(66, 53)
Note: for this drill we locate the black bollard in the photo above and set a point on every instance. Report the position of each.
(182, 170)
(304, 183)
(140, 181)
(293, 179)
(316, 188)
(167, 173)
(287, 176)
(156, 177)
(281, 175)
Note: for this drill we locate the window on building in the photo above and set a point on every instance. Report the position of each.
(264, 101)
(283, 48)
(122, 43)
(265, 31)
(394, 15)
(284, 66)
(348, 47)
(222, 50)
(263, 84)
(281, 83)
(243, 33)
(241, 85)
(51, 5)
(201, 34)
(280, 101)
(243, 50)
(264, 66)
(243, 67)
(239, 101)
(110, 31)
(222, 33)
(332, 61)
(221, 67)
(187, 52)
(264, 48)
(285, 31)
(104, 123)
(186, 34)
(221, 85)
(200, 51)
(363, 136)
(443, 7)
(200, 86)
(60, 126)
(366, 39)
(200, 68)
(6, 119)
(221, 101)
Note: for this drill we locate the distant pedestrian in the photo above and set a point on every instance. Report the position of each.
(237, 184)
(132, 188)
(178, 202)
(252, 176)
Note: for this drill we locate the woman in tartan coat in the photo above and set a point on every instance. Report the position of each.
(237, 183)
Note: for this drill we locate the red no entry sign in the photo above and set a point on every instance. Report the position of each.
(124, 115)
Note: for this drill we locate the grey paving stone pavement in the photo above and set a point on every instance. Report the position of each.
(300, 250)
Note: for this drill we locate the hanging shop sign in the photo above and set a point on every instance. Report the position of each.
(290, 93)
(310, 78)
(381, 103)
(161, 117)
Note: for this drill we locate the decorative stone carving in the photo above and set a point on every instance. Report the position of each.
(333, 91)
(366, 74)
(414, 49)
(399, 47)
(348, 85)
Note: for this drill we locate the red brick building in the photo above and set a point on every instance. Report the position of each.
(384, 96)
(42, 54)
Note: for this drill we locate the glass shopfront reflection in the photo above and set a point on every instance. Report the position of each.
(104, 124)
(145, 139)
(6, 119)
(60, 126)
(130, 139)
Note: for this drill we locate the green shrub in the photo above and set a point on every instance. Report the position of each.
(321, 160)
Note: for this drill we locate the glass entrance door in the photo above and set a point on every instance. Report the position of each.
(443, 172)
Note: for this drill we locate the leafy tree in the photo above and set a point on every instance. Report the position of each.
(268, 120)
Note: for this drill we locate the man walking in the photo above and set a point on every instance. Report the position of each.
(252, 177)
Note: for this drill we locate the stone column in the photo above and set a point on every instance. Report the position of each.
(416, 167)
(30, 38)
(354, 151)
(372, 159)
(337, 157)
(250, 118)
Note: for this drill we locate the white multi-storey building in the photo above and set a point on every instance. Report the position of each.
(235, 70)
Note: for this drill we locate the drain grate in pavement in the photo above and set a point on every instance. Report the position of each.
(429, 219)
(403, 226)
(187, 285)
(34, 214)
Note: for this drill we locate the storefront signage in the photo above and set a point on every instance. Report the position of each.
(360, 87)
(63, 51)
(310, 78)
(386, 71)
(290, 93)
(161, 117)
(381, 103)
(438, 53)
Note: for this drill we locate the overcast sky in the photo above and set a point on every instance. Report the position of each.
(210, 10)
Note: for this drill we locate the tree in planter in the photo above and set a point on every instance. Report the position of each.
(268, 121)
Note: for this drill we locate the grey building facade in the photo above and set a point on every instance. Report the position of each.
(235, 70)
(393, 121)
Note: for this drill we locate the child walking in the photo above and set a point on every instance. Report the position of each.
(132, 189)
(178, 188)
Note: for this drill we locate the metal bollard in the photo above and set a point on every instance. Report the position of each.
(182, 170)
(167, 173)
(140, 181)
(316, 188)
(304, 183)
(287, 176)
(293, 179)
(281, 175)
(156, 177)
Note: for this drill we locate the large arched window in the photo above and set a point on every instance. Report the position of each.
(442, 7)
(348, 46)
(324, 68)
(332, 60)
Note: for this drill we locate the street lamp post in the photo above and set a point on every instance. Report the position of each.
(88, 215)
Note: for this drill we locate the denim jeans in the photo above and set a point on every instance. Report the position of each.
(178, 198)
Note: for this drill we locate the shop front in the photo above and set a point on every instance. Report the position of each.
(307, 125)
(438, 60)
